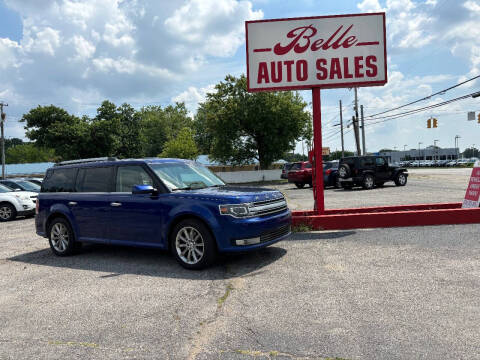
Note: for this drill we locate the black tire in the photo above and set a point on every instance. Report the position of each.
(299, 185)
(182, 232)
(61, 237)
(401, 179)
(7, 212)
(310, 184)
(368, 182)
(344, 171)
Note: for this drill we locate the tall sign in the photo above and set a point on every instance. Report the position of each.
(472, 195)
(314, 53)
(322, 51)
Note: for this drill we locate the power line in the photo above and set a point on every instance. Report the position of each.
(441, 92)
(414, 111)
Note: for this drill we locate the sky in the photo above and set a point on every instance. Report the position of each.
(75, 54)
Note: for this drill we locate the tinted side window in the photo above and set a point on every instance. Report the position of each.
(127, 176)
(380, 161)
(59, 180)
(95, 179)
(308, 166)
(296, 166)
(350, 162)
(366, 162)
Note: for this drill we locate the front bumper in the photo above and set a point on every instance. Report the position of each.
(253, 233)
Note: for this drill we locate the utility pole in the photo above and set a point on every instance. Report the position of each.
(355, 124)
(341, 129)
(2, 122)
(363, 132)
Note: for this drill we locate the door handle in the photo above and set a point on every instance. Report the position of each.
(72, 203)
(115, 204)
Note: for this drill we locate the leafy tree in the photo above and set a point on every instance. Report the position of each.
(158, 125)
(471, 152)
(289, 157)
(12, 142)
(235, 126)
(28, 153)
(335, 155)
(182, 146)
(54, 128)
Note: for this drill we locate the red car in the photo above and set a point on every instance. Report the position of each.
(300, 174)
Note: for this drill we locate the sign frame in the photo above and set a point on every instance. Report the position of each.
(474, 202)
(320, 86)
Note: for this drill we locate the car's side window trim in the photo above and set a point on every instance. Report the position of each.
(156, 182)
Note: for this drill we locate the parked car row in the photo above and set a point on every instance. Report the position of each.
(300, 173)
(18, 197)
(438, 163)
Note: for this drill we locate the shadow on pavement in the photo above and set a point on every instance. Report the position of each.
(320, 235)
(116, 260)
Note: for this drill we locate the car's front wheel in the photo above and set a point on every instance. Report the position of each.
(61, 237)
(401, 179)
(7, 212)
(299, 185)
(193, 245)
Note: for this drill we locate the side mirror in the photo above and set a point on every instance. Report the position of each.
(144, 189)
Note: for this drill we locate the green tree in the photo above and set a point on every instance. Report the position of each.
(54, 128)
(470, 152)
(28, 153)
(335, 155)
(12, 142)
(235, 126)
(158, 125)
(182, 146)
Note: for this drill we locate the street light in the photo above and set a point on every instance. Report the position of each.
(419, 150)
(404, 147)
(456, 144)
(435, 149)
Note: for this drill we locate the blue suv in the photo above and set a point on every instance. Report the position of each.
(171, 204)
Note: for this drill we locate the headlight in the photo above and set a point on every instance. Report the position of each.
(235, 210)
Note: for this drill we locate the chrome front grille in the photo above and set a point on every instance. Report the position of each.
(267, 207)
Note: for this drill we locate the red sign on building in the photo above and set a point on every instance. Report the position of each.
(473, 191)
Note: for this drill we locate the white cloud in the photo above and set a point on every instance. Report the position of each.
(369, 6)
(214, 26)
(8, 53)
(193, 96)
(85, 49)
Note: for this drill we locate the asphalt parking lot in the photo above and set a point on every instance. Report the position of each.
(401, 293)
(436, 185)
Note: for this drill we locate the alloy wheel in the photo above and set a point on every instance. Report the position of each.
(60, 237)
(189, 245)
(5, 212)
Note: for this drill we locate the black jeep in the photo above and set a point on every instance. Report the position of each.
(368, 171)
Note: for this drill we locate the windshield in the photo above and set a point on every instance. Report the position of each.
(179, 175)
(4, 189)
(27, 185)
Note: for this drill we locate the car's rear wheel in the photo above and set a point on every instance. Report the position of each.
(368, 182)
(61, 237)
(401, 179)
(193, 245)
(299, 185)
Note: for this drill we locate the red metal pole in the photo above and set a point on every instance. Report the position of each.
(317, 147)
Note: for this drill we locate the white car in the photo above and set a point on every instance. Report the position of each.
(16, 203)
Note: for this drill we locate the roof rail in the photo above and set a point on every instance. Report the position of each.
(82, 161)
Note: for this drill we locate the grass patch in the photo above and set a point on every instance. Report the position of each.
(222, 299)
(302, 228)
